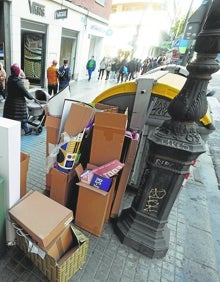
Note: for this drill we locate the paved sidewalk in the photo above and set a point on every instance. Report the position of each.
(191, 256)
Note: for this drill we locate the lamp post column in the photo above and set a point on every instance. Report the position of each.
(173, 147)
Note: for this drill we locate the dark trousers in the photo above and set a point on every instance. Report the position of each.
(101, 73)
(52, 89)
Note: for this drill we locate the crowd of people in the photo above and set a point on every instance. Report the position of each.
(121, 70)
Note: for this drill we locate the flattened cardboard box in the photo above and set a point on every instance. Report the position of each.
(124, 176)
(108, 137)
(78, 118)
(41, 217)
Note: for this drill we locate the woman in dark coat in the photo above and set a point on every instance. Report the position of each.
(15, 104)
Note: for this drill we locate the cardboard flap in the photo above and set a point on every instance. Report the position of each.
(78, 118)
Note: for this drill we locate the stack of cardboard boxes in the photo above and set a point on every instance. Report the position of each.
(45, 232)
(44, 225)
(108, 142)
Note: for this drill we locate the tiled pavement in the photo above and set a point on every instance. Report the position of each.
(191, 255)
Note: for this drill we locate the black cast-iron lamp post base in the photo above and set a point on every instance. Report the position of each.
(135, 230)
(172, 149)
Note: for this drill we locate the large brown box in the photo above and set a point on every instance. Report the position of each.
(108, 137)
(41, 217)
(23, 173)
(93, 205)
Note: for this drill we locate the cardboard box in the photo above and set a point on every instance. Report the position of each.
(91, 208)
(108, 137)
(52, 124)
(23, 173)
(93, 205)
(41, 217)
(131, 150)
(61, 185)
(60, 270)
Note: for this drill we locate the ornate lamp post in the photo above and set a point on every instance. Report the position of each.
(172, 149)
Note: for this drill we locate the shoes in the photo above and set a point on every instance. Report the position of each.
(28, 133)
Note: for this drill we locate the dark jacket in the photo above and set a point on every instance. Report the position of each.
(64, 76)
(15, 104)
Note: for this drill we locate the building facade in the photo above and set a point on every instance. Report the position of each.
(33, 33)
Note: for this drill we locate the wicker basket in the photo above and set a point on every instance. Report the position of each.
(65, 268)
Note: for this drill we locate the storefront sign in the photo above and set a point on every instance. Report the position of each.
(36, 8)
(61, 14)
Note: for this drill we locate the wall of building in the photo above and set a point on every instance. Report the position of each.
(84, 28)
(101, 8)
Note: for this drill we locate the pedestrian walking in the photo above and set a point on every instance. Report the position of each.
(64, 75)
(15, 106)
(90, 66)
(113, 70)
(102, 67)
(131, 69)
(52, 78)
(107, 70)
(123, 72)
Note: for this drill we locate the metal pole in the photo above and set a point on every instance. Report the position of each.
(172, 149)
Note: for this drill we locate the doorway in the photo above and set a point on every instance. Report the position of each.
(68, 49)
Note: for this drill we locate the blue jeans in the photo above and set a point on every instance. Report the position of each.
(90, 73)
(25, 126)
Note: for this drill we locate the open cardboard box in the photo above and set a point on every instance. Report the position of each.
(61, 262)
(41, 217)
(93, 205)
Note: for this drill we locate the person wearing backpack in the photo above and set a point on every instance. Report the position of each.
(64, 75)
(90, 66)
